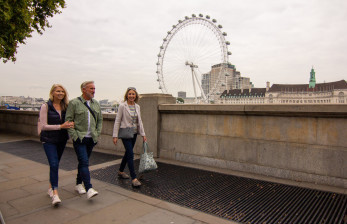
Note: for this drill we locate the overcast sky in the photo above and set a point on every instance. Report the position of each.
(116, 42)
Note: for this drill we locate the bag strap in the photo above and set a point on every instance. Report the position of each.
(145, 147)
(85, 104)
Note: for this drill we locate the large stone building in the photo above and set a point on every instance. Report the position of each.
(321, 93)
(231, 79)
(311, 93)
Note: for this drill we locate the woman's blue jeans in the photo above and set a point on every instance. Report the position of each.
(83, 150)
(54, 153)
(129, 156)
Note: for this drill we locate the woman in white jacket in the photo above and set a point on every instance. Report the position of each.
(129, 115)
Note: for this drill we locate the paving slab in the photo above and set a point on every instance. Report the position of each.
(145, 198)
(11, 184)
(25, 173)
(3, 179)
(122, 212)
(12, 194)
(23, 168)
(160, 216)
(8, 210)
(212, 219)
(104, 199)
(177, 208)
(3, 166)
(36, 201)
(7, 158)
(49, 215)
(36, 188)
(118, 190)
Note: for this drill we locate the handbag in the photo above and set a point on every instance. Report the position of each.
(126, 133)
(147, 162)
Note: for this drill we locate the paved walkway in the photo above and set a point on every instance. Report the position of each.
(23, 198)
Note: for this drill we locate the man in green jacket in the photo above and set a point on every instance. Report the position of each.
(85, 112)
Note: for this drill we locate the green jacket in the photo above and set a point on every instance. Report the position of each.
(78, 113)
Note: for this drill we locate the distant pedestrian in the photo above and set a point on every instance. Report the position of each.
(129, 116)
(53, 134)
(85, 112)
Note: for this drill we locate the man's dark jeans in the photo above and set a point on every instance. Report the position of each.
(83, 150)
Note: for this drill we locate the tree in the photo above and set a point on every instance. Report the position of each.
(19, 18)
(180, 100)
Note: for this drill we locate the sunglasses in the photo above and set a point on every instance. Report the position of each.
(132, 88)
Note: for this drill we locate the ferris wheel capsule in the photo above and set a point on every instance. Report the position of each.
(164, 39)
(201, 15)
(158, 63)
(208, 17)
(179, 21)
(227, 43)
(193, 15)
(214, 20)
(174, 26)
(157, 72)
(186, 17)
(229, 53)
(220, 26)
(168, 32)
(224, 34)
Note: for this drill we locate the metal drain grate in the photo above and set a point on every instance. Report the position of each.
(34, 151)
(235, 198)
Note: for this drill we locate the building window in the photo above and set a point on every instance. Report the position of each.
(341, 97)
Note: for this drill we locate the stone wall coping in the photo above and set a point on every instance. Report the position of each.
(331, 110)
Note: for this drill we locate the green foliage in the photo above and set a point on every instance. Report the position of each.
(179, 99)
(19, 18)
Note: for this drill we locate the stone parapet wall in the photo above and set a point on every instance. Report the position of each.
(304, 143)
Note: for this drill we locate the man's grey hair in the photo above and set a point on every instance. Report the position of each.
(86, 83)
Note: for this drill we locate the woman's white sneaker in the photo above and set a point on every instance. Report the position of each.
(80, 189)
(50, 192)
(91, 193)
(55, 200)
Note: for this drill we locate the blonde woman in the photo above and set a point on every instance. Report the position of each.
(54, 134)
(129, 115)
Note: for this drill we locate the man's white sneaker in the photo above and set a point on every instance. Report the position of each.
(55, 200)
(50, 192)
(80, 189)
(91, 193)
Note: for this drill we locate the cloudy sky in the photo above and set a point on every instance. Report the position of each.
(116, 42)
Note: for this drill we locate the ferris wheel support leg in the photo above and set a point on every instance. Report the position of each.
(199, 84)
(196, 99)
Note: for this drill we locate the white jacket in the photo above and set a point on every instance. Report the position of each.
(124, 119)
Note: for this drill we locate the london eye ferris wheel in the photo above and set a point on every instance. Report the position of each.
(186, 57)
